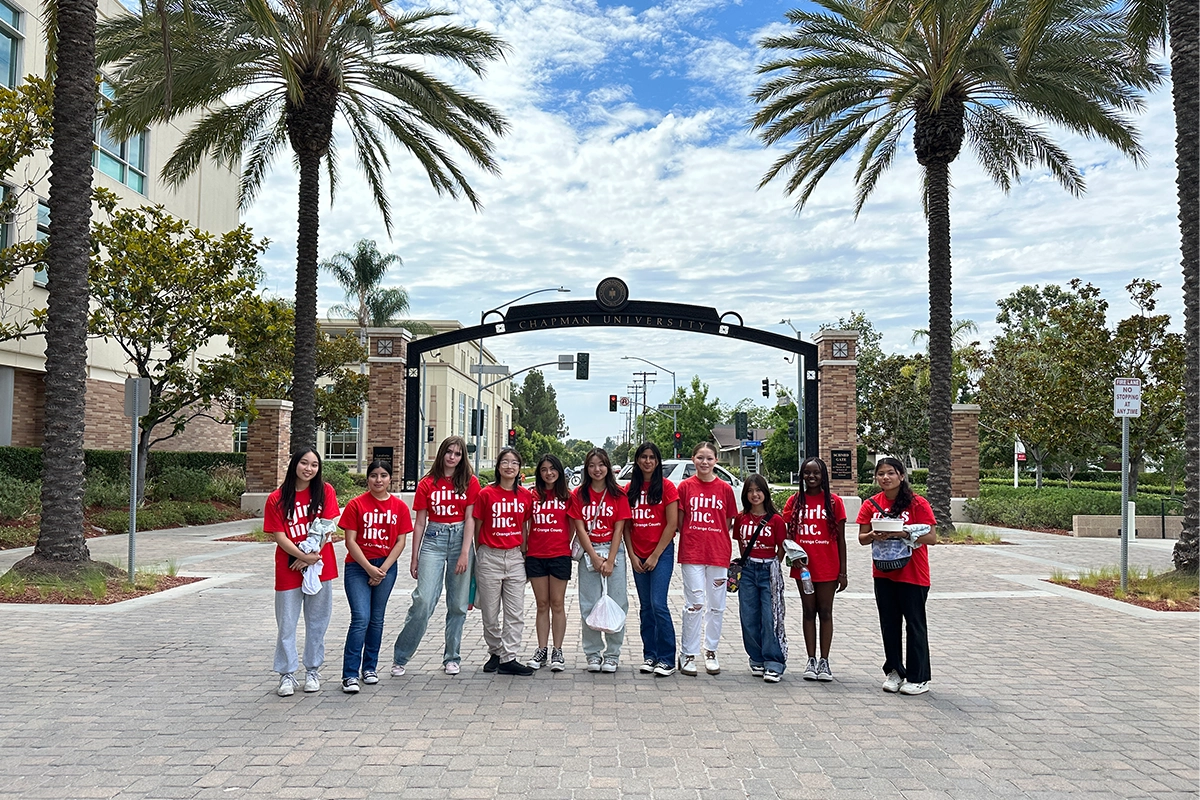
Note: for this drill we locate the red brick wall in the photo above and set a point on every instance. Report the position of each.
(267, 445)
(29, 405)
(964, 451)
(386, 399)
(838, 404)
(105, 426)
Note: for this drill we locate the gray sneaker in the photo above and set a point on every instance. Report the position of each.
(810, 669)
(593, 664)
(312, 681)
(823, 671)
(287, 685)
(609, 665)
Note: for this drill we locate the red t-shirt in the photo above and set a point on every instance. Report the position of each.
(550, 527)
(817, 535)
(377, 524)
(502, 515)
(649, 520)
(441, 501)
(705, 512)
(919, 513)
(768, 541)
(601, 515)
(297, 531)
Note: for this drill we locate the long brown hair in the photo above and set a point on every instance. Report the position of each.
(610, 480)
(462, 473)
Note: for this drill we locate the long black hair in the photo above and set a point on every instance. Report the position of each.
(500, 457)
(316, 487)
(610, 480)
(760, 482)
(798, 504)
(904, 498)
(655, 490)
(559, 489)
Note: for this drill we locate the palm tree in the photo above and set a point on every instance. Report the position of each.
(359, 274)
(856, 75)
(264, 73)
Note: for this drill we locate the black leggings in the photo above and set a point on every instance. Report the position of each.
(903, 604)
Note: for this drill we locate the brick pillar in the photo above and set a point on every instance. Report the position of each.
(388, 356)
(964, 451)
(837, 436)
(267, 453)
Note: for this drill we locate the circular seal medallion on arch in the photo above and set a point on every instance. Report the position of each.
(612, 294)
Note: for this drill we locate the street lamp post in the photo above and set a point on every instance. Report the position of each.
(674, 413)
(800, 431)
(479, 379)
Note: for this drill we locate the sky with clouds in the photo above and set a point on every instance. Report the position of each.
(629, 155)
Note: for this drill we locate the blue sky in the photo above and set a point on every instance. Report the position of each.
(629, 155)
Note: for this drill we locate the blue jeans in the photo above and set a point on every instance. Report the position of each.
(440, 547)
(367, 606)
(756, 606)
(658, 628)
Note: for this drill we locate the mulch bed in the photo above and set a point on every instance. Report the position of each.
(970, 540)
(1108, 588)
(250, 537)
(117, 591)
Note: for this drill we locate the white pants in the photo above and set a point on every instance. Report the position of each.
(704, 604)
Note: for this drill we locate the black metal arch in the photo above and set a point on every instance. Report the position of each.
(650, 315)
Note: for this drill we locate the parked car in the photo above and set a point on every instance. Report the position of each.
(676, 469)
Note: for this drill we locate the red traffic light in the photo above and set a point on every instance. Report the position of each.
(612, 402)
(512, 437)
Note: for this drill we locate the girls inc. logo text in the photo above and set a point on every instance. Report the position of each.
(701, 507)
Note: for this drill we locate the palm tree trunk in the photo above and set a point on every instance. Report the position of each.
(60, 536)
(304, 364)
(937, 180)
(1185, 89)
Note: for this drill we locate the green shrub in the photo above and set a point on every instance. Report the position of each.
(181, 483)
(162, 461)
(199, 513)
(1100, 485)
(23, 463)
(152, 517)
(1045, 508)
(338, 476)
(228, 483)
(101, 491)
(113, 463)
(19, 498)
(17, 537)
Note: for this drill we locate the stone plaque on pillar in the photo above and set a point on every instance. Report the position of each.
(837, 352)
(841, 465)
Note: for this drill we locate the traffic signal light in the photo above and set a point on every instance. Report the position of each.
(791, 429)
(766, 387)
(678, 441)
(512, 437)
(582, 362)
(612, 402)
(741, 425)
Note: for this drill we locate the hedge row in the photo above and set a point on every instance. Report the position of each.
(1049, 507)
(1157, 490)
(25, 463)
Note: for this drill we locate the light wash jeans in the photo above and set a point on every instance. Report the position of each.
(368, 604)
(318, 608)
(597, 643)
(440, 547)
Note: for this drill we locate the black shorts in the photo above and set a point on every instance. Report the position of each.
(557, 567)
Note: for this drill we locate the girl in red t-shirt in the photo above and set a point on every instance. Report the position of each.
(502, 515)
(707, 508)
(302, 498)
(650, 540)
(599, 519)
(760, 593)
(817, 521)
(548, 559)
(443, 538)
(376, 524)
(900, 594)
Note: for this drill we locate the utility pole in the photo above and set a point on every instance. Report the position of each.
(645, 379)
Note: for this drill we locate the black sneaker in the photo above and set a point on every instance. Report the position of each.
(492, 664)
(350, 686)
(514, 667)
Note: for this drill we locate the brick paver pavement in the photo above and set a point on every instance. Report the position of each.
(1037, 693)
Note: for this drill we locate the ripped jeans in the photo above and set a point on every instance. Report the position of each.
(703, 607)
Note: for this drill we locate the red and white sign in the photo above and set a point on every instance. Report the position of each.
(624, 401)
(1127, 397)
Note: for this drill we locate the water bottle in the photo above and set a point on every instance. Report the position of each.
(806, 585)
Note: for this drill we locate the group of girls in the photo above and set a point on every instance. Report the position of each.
(489, 541)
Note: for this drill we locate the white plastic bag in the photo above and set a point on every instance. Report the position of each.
(606, 616)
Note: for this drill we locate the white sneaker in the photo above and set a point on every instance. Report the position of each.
(557, 662)
(771, 676)
(893, 682)
(687, 665)
(609, 665)
(450, 668)
(370, 677)
(711, 665)
(647, 666)
(824, 673)
(810, 669)
(594, 663)
(757, 670)
(287, 685)
(397, 670)
(914, 688)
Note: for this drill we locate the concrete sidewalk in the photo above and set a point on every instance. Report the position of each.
(1037, 692)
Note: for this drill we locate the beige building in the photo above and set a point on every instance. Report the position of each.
(129, 169)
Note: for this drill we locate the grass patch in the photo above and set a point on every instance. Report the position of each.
(969, 534)
(92, 587)
(23, 536)
(1170, 591)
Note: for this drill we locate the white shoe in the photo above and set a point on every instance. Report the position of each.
(914, 688)
(397, 670)
(450, 668)
(609, 665)
(771, 676)
(711, 665)
(687, 665)
(370, 677)
(540, 657)
(312, 681)
(350, 686)
(893, 682)
(757, 670)
(594, 663)
(287, 685)
(557, 662)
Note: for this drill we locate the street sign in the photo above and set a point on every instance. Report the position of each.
(670, 406)
(1019, 450)
(1127, 397)
(137, 397)
(566, 362)
(489, 369)
(751, 443)
(624, 401)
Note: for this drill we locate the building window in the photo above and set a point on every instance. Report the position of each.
(40, 276)
(462, 414)
(10, 45)
(241, 436)
(343, 445)
(6, 220)
(122, 161)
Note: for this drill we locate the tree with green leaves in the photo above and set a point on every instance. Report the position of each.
(855, 75)
(260, 76)
(163, 291)
(535, 406)
(698, 415)
(360, 274)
